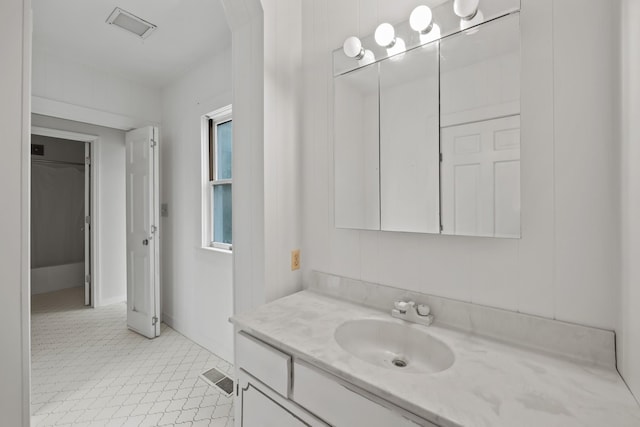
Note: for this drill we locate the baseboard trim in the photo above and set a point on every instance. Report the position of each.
(214, 346)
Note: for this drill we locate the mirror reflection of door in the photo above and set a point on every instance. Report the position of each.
(480, 134)
(481, 178)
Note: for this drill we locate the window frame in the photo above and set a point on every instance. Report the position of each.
(209, 174)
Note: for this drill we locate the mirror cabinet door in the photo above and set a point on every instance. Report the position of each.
(410, 142)
(356, 149)
(480, 130)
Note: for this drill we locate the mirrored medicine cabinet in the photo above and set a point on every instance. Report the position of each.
(427, 140)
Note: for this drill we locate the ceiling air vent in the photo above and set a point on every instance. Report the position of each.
(130, 22)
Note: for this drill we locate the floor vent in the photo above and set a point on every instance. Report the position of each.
(217, 379)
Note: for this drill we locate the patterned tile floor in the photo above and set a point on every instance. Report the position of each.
(88, 369)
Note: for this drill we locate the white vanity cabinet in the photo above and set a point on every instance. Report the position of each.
(276, 391)
(259, 406)
(264, 387)
(343, 405)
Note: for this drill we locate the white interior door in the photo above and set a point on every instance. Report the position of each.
(480, 178)
(87, 223)
(143, 284)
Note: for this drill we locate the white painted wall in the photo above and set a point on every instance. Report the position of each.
(629, 338)
(14, 226)
(197, 288)
(65, 88)
(266, 57)
(111, 268)
(282, 147)
(566, 266)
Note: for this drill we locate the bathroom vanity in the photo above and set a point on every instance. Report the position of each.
(265, 390)
(310, 359)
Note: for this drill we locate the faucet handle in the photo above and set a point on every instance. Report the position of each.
(423, 309)
(403, 306)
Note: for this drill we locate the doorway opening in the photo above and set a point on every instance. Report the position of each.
(61, 213)
(87, 365)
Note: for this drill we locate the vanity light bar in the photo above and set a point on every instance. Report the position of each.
(425, 25)
(421, 20)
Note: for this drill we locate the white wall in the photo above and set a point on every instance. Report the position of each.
(14, 225)
(71, 90)
(111, 268)
(566, 266)
(282, 148)
(629, 338)
(197, 288)
(266, 57)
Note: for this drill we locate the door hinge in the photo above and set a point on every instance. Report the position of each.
(87, 278)
(154, 229)
(154, 143)
(440, 156)
(154, 320)
(87, 160)
(441, 228)
(237, 389)
(87, 219)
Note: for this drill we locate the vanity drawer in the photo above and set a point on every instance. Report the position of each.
(341, 406)
(269, 365)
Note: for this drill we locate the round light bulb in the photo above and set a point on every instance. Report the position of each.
(421, 19)
(478, 19)
(352, 47)
(465, 9)
(385, 35)
(367, 58)
(397, 50)
(432, 35)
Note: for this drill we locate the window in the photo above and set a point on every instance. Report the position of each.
(219, 130)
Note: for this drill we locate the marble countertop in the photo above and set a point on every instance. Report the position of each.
(490, 383)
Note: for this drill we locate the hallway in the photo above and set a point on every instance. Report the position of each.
(88, 369)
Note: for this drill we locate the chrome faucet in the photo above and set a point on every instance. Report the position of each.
(412, 312)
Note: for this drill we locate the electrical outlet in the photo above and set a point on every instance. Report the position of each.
(295, 259)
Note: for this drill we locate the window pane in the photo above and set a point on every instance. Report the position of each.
(222, 213)
(224, 149)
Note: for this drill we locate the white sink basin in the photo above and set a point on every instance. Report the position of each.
(394, 345)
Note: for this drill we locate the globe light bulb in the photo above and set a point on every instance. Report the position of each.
(385, 35)
(352, 47)
(465, 9)
(367, 58)
(477, 19)
(397, 49)
(421, 19)
(432, 35)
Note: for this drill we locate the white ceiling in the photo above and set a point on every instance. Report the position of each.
(188, 33)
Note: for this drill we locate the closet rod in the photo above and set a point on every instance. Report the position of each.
(58, 162)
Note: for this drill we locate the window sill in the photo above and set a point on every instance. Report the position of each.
(212, 249)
